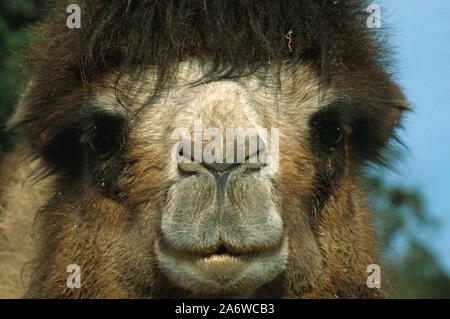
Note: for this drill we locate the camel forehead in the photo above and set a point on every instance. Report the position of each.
(266, 97)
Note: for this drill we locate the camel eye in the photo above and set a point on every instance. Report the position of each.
(332, 135)
(105, 136)
(100, 142)
(327, 130)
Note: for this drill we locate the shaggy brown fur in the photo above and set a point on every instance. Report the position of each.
(20, 198)
(103, 210)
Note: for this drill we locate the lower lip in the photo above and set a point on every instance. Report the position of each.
(223, 259)
(218, 260)
(222, 268)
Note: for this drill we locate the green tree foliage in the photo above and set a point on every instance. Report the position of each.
(402, 220)
(14, 17)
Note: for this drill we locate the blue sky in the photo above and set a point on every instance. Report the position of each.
(421, 33)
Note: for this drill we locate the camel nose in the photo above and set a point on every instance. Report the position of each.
(189, 164)
(220, 167)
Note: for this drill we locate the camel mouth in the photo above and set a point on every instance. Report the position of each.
(222, 270)
(222, 250)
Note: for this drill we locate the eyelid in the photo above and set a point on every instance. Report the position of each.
(96, 104)
(92, 122)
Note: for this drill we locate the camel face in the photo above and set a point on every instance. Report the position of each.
(215, 154)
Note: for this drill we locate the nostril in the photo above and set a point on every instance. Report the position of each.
(256, 160)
